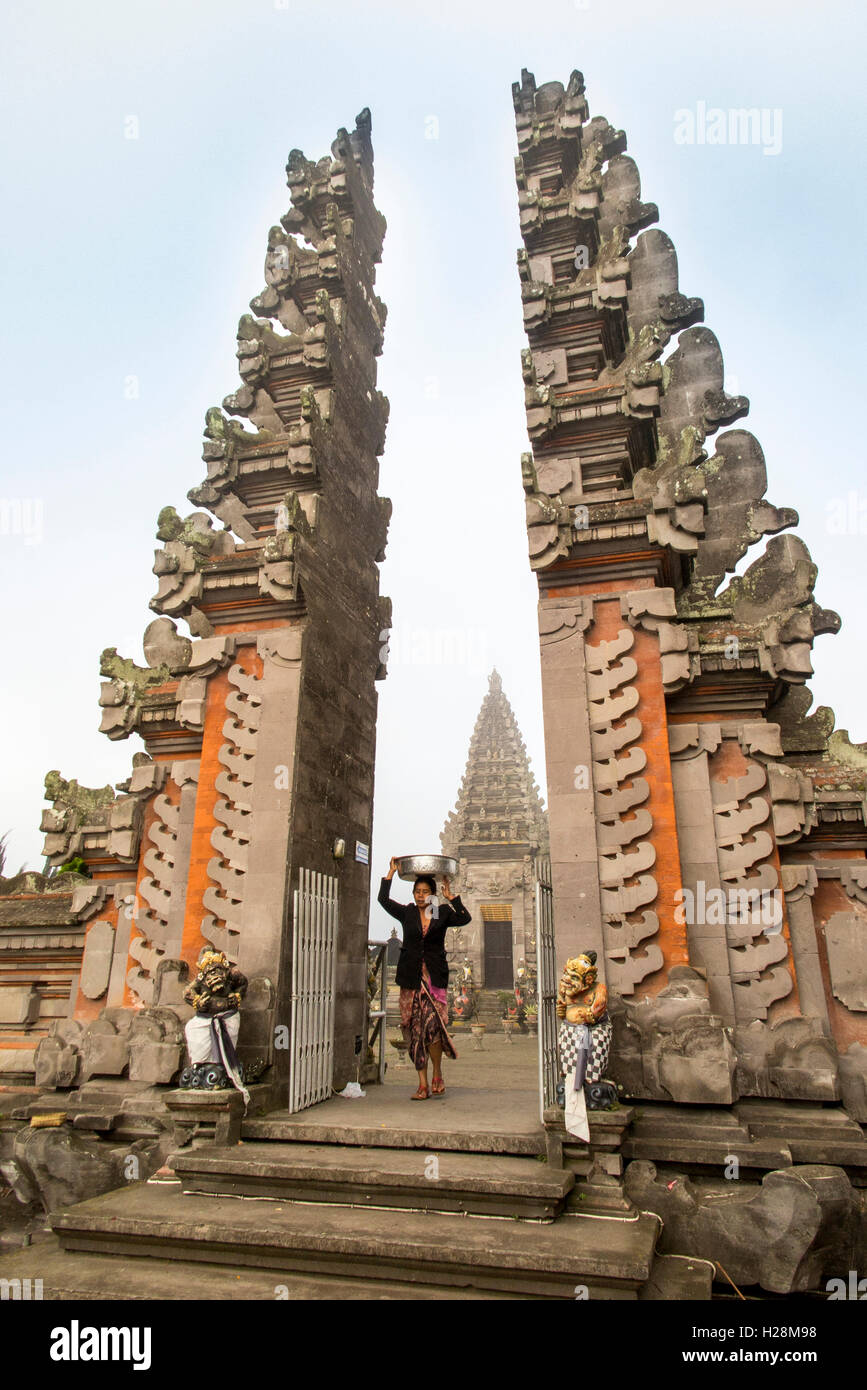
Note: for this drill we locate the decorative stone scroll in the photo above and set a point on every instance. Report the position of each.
(625, 850)
(231, 838)
(650, 609)
(562, 618)
(745, 853)
(151, 945)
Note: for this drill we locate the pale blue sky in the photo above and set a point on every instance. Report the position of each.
(135, 258)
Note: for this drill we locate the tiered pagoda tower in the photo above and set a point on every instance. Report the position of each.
(496, 832)
(259, 726)
(685, 774)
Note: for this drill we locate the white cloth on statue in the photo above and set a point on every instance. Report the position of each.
(200, 1039)
(576, 1108)
(576, 1059)
(217, 1033)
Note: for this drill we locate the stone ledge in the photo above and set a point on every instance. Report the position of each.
(396, 1136)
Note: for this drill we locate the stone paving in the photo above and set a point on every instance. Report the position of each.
(490, 1092)
(499, 1066)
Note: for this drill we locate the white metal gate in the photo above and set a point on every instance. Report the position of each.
(549, 1065)
(314, 959)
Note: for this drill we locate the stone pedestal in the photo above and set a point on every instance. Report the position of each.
(597, 1165)
(222, 1109)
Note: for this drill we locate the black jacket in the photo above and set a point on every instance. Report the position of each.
(419, 949)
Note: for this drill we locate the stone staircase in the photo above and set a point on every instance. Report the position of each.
(300, 1210)
(489, 1009)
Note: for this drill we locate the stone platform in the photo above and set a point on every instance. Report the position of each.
(467, 1120)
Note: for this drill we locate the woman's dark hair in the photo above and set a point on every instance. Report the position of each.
(425, 878)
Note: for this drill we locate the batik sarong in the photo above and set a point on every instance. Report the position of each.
(424, 1016)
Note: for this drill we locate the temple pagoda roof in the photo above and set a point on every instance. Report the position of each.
(498, 802)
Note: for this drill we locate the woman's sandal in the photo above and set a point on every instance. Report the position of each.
(421, 1094)
(438, 1086)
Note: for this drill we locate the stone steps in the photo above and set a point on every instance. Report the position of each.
(481, 1184)
(612, 1258)
(90, 1277)
(435, 1136)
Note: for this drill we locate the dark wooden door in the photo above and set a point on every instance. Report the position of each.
(499, 971)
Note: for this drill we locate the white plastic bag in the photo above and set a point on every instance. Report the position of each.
(352, 1091)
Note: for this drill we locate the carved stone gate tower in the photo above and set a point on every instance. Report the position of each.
(259, 726)
(707, 835)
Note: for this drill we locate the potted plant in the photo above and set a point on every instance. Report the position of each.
(532, 1017)
(506, 1001)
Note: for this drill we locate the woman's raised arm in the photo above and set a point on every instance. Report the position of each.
(459, 912)
(384, 896)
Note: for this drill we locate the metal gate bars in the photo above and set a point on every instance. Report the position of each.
(314, 959)
(549, 1065)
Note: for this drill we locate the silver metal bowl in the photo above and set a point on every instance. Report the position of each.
(409, 866)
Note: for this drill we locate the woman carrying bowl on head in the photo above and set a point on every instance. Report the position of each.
(423, 973)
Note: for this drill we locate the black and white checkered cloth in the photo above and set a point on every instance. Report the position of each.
(568, 1039)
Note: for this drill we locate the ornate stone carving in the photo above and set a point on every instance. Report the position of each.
(88, 899)
(671, 1046)
(792, 1059)
(776, 596)
(231, 838)
(75, 811)
(689, 740)
(737, 515)
(792, 801)
(187, 546)
(626, 499)
(854, 879)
